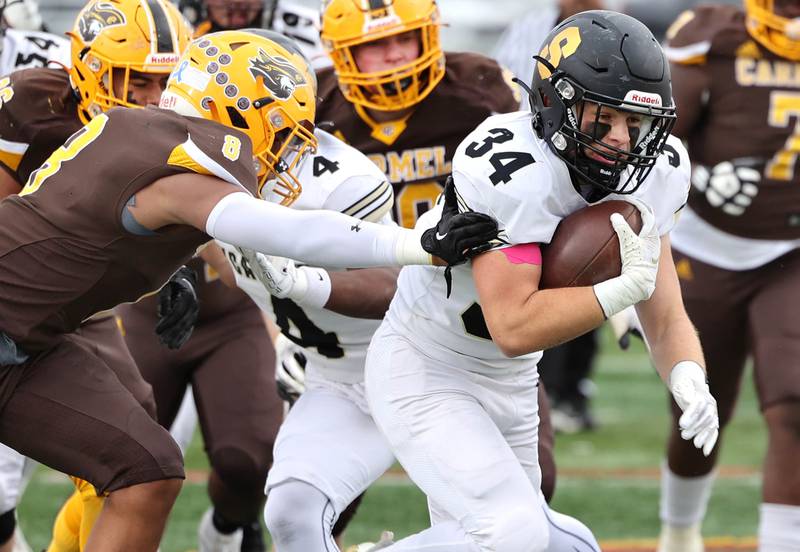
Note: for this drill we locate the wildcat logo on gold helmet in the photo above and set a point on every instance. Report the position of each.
(114, 39)
(261, 83)
(98, 17)
(280, 76)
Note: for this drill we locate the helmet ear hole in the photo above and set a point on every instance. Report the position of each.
(236, 118)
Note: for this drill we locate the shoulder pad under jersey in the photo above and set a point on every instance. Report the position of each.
(666, 188)
(704, 31)
(208, 148)
(475, 80)
(340, 178)
(503, 169)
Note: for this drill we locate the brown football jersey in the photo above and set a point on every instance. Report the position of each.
(748, 110)
(64, 251)
(39, 112)
(416, 153)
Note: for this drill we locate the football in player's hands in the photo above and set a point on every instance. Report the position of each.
(585, 248)
(730, 185)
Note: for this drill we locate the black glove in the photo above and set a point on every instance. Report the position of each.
(178, 308)
(459, 236)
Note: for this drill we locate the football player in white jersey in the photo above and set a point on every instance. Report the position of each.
(24, 42)
(328, 450)
(451, 382)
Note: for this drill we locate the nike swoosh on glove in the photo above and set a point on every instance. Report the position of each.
(458, 237)
(178, 308)
(699, 422)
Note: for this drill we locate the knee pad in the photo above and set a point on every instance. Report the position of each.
(8, 522)
(293, 513)
(239, 468)
(568, 533)
(521, 529)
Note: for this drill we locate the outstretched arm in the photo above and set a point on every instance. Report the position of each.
(317, 237)
(322, 238)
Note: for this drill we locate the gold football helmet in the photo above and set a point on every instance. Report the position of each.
(147, 36)
(776, 33)
(259, 82)
(349, 23)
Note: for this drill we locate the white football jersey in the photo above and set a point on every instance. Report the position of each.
(504, 170)
(337, 178)
(26, 49)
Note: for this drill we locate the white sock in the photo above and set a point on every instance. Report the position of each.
(185, 422)
(779, 528)
(568, 533)
(447, 536)
(684, 499)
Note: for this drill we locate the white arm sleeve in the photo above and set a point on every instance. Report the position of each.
(321, 238)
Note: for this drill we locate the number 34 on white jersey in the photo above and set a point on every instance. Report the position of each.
(504, 170)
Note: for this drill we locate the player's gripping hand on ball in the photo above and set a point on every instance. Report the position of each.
(639, 255)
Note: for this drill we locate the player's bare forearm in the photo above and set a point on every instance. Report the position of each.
(215, 257)
(522, 318)
(670, 334)
(362, 293)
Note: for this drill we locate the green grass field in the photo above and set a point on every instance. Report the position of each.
(608, 478)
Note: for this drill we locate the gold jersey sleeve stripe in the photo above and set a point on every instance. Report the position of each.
(181, 158)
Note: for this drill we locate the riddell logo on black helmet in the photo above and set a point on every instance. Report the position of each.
(644, 98)
(98, 17)
(280, 76)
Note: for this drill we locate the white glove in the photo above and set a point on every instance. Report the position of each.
(639, 255)
(306, 286)
(290, 369)
(699, 421)
(730, 185)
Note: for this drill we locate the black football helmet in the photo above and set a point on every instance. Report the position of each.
(613, 61)
(196, 12)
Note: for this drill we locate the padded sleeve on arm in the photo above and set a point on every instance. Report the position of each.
(321, 238)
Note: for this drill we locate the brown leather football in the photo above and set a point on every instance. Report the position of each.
(585, 249)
